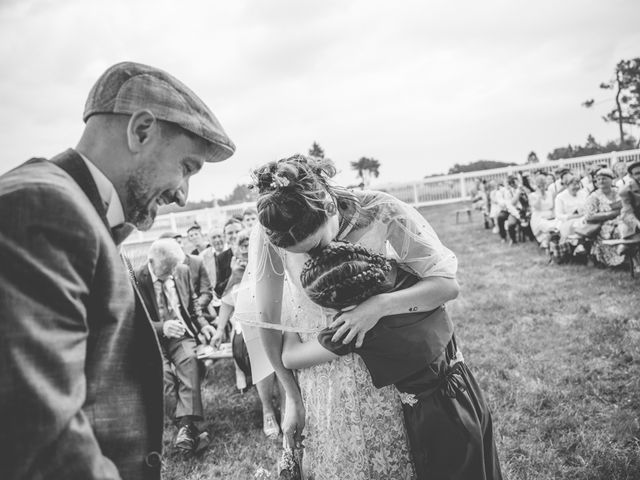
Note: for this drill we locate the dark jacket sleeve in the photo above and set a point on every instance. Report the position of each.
(48, 255)
(205, 289)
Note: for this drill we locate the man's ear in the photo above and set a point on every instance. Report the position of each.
(141, 127)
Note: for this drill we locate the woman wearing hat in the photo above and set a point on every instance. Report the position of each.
(603, 210)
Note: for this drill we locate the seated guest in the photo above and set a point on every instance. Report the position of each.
(570, 208)
(197, 239)
(601, 218)
(508, 199)
(622, 175)
(542, 214)
(165, 286)
(200, 281)
(223, 260)
(630, 198)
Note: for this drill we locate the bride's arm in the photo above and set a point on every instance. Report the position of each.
(269, 288)
(297, 354)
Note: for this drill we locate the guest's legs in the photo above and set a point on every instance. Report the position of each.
(502, 218)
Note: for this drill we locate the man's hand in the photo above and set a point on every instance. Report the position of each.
(206, 334)
(216, 340)
(293, 423)
(357, 322)
(173, 329)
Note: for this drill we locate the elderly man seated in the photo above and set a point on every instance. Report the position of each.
(168, 295)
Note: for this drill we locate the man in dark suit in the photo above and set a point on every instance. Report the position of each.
(80, 365)
(166, 287)
(630, 197)
(223, 261)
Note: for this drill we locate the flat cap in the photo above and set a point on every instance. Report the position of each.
(128, 87)
(633, 165)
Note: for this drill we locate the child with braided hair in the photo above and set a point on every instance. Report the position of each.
(353, 429)
(447, 420)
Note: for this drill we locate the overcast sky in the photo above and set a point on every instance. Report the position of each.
(417, 85)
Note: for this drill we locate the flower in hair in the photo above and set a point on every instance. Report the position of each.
(279, 181)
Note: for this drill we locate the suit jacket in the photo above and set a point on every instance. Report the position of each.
(200, 281)
(183, 283)
(630, 213)
(80, 367)
(223, 264)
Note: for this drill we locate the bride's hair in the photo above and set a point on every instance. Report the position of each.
(293, 196)
(343, 274)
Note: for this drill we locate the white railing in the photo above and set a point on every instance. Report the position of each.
(428, 191)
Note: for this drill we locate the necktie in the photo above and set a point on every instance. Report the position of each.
(161, 300)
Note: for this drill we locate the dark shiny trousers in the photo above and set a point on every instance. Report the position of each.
(451, 433)
(183, 379)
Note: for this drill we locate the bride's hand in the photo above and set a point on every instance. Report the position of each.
(357, 322)
(293, 423)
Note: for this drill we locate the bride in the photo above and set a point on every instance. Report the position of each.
(351, 429)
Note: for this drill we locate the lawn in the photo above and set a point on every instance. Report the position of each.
(555, 348)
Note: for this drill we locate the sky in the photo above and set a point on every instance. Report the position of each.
(417, 85)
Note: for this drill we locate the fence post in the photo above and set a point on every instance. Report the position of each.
(463, 186)
(614, 158)
(415, 193)
(172, 221)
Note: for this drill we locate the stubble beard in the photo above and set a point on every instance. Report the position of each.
(139, 212)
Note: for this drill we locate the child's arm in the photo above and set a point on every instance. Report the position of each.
(297, 354)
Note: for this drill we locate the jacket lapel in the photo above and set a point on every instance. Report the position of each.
(149, 292)
(71, 162)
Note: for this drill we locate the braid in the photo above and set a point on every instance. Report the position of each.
(343, 274)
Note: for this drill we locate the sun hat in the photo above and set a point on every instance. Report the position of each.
(633, 165)
(607, 172)
(128, 87)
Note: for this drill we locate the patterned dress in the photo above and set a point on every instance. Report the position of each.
(598, 202)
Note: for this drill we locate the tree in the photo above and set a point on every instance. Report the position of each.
(532, 157)
(478, 165)
(316, 151)
(626, 84)
(366, 168)
(240, 194)
(591, 147)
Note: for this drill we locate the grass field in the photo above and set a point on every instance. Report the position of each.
(555, 348)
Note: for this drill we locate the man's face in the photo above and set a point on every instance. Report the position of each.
(160, 176)
(635, 173)
(163, 270)
(217, 242)
(603, 181)
(231, 231)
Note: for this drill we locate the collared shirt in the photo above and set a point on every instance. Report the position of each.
(108, 194)
(168, 289)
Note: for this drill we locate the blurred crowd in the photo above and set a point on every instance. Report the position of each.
(593, 217)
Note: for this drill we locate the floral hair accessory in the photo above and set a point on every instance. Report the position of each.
(279, 181)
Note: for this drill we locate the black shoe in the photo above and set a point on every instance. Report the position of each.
(187, 438)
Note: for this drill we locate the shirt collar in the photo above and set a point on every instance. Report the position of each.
(108, 194)
(154, 278)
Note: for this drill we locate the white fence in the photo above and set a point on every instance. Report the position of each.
(428, 191)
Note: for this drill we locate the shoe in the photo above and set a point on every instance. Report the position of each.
(187, 438)
(270, 426)
(579, 250)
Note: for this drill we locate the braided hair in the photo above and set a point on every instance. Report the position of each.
(343, 274)
(292, 197)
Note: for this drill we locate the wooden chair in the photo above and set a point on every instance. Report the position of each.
(633, 244)
(463, 211)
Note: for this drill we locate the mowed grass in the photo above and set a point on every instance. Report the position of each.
(555, 348)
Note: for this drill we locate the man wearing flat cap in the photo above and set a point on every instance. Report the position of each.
(81, 380)
(630, 197)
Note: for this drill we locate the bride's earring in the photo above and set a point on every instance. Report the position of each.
(330, 209)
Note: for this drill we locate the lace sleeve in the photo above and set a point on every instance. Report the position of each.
(414, 241)
(262, 299)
